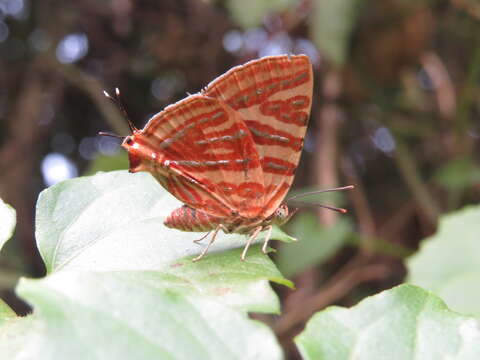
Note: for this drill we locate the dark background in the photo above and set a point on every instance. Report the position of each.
(395, 112)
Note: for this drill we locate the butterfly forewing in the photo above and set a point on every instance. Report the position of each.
(273, 96)
(201, 150)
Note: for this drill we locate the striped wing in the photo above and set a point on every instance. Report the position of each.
(274, 96)
(201, 151)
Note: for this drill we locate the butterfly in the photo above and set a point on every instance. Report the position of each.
(230, 152)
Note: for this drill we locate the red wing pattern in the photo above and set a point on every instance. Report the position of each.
(202, 152)
(273, 96)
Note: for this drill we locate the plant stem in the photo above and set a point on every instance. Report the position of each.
(410, 174)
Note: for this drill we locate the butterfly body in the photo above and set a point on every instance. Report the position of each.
(186, 218)
(229, 153)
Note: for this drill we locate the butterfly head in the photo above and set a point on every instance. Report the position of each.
(134, 149)
(129, 142)
(282, 214)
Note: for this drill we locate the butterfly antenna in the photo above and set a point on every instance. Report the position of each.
(349, 187)
(118, 101)
(306, 204)
(111, 135)
(333, 208)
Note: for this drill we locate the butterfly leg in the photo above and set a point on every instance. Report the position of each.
(267, 238)
(212, 239)
(203, 237)
(252, 237)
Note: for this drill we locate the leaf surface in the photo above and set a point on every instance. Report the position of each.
(113, 315)
(114, 222)
(332, 24)
(8, 219)
(403, 323)
(448, 263)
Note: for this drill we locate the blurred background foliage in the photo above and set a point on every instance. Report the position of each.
(395, 112)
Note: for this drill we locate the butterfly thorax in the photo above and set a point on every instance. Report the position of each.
(186, 218)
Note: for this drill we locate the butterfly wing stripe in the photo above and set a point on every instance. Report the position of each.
(177, 183)
(190, 194)
(267, 135)
(278, 166)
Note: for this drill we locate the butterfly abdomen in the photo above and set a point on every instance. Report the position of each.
(186, 218)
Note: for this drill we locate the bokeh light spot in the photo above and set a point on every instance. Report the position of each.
(383, 140)
(57, 167)
(305, 46)
(72, 48)
(233, 41)
(425, 81)
(279, 44)
(4, 31)
(87, 148)
(14, 8)
(107, 145)
(255, 39)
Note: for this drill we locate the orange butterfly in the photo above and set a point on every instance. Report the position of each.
(230, 152)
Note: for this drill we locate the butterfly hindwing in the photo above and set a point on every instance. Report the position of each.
(273, 95)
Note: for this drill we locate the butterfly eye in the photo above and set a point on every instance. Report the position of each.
(129, 141)
(282, 212)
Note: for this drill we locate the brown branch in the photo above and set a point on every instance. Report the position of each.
(360, 203)
(445, 91)
(409, 171)
(328, 124)
(20, 154)
(351, 275)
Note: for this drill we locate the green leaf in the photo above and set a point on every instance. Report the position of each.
(250, 13)
(114, 222)
(8, 219)
(224, 278)
(108, 163)
(278, 234)
(316, 244)
(111, 315)
(331, 25)
(448, 263)
(458, 174)
(403, 323)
